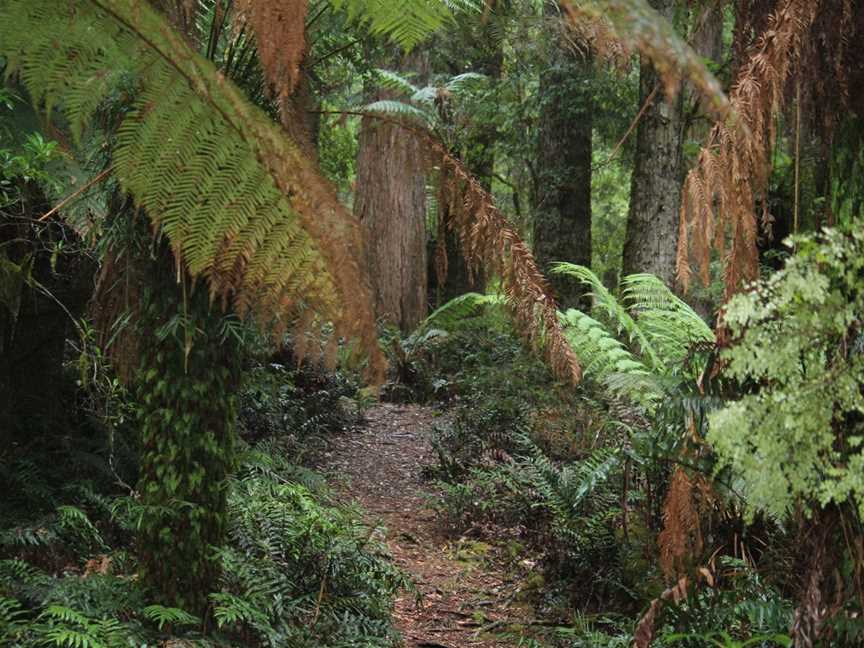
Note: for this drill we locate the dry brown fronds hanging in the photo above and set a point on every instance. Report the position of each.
(636, 25)
(681, 538)
(733, 168)
(597, 36)
(490, 243)
(280, 38)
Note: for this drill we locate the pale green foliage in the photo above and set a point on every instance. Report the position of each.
(601, 353)
(797, 435)
(405, 22)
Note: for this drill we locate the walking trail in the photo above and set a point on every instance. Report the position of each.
(468, 598)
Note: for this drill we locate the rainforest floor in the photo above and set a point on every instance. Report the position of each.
(471, 592)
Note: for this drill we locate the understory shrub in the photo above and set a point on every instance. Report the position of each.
(296, 568)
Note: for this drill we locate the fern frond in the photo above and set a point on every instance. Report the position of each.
(566, 490)
(399, 109)
(162, 616)
(601, 354)
(465, 81)
(12, 616)
(405, 22)
(639, 26)
(616, 313)
(671, 325)
(395, 82)
(233, 194)
(459, 308)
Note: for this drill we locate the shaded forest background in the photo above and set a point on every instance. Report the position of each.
(618, 245)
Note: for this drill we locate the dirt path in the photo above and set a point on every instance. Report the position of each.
(468, 598)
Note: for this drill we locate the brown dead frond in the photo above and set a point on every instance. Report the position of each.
(491, 244)
(596, 35)
(637, 26)
(280, 38)
(644, 634)
(725, 194)
(681, 540)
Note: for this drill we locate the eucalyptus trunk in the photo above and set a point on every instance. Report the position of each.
(390, 204)
(658, 174)
(562, 195)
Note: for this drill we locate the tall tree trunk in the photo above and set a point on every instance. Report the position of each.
(391, 205)
(658, 174)
(562, 198)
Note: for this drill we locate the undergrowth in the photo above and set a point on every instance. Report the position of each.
(297, 569)
(566, 476)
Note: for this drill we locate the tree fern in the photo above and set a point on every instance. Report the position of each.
(392, 108)
(660, 327)
(239, 202)
(602, 355)
(671, 325)
(405, 22)
(419, 104)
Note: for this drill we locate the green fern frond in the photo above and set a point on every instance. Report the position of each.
(613, 310)
(395, 82)
(465, 81)
(567, 490)
(239, 202)
(162, 616)
(12, 619)
(404, 22)
(459, 308)
(671, 325)
(402, 109)
(600, 352)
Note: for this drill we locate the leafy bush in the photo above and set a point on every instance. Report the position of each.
(798, 353)
(280, 398)
(296, 571)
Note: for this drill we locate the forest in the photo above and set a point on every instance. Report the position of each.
(431, 323)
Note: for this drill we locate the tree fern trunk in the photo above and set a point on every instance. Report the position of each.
(186, 386)
(391, 205)
(658, 174)
(562, 201)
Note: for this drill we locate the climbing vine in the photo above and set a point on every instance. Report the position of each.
(188, 376)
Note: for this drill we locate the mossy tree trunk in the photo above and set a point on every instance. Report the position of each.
(186, 386)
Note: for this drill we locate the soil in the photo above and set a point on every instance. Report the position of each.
(469, 593)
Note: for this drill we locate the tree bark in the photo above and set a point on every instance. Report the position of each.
(390, 204)
(658, 174)
(562, 197)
